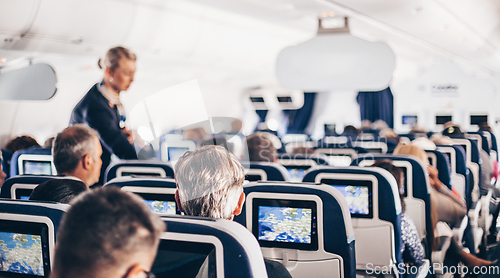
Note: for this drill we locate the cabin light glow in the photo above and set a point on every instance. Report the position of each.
(273, 124)
(145, 133)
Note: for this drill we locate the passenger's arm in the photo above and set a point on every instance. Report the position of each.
(441, 188)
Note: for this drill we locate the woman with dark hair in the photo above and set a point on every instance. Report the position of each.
(58, 190)
(102, 110)
(412, 249)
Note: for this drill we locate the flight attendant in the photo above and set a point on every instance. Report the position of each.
(102, 110)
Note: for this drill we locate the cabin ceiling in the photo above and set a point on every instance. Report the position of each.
(467, 31)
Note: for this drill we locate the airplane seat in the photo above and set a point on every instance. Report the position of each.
(298, 164)
(32, 161)
(417, 190)
(439, 161)
(483, 140)
(339, 152)
(327, 249)
(20, 187)
(494, 144)
(6, 157)
(377, 147)
(461, 181)
(377, 229)
(265, 171)
(471, 151)
(38, 222)
(145, 168)
(220, 247)
(158, 193)
(287, 158)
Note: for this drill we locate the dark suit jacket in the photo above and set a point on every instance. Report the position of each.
(94, 110)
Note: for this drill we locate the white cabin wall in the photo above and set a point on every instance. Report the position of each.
(415, 96)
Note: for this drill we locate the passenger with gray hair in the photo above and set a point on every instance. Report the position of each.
(77, 153)
(210, 184)
(108, 233)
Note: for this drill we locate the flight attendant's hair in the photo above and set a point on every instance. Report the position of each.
(113, 57)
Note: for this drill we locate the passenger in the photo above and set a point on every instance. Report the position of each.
(440, 139)
(412, 249)
(2, 173)
(351, 132)
(391, 137)
(418, 130)
(108, 233)
(21, 143)
(424, 143)
(58, 190)
(379, 125)
(261, 148)
(102, 110)
(218, 141)
(487, 168)
(194, 134)
(77, 153)
(48, 143)
(366, 125)
(210, 184)
(303, 150)
(448, 207)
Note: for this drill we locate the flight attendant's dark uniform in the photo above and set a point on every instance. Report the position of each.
(94, 110)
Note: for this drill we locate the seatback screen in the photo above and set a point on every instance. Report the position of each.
(410, 120)
(175, 152)
(160, 203)
(297, 172)
(441, 120)
(285, 223)
(31, 167)
(358, 195)
(24, 249)
(185, 259)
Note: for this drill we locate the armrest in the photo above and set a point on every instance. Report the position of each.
(484, 220)
(423, 270)
(445, 237)
(458, 233)
(474, 213)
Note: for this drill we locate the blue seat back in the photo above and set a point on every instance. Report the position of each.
(17, 186)
(15, 162)
(158, 193)
(26, 212)
(417, 186)
(337, 233)
(317, 160)
(442, 165)
(139, 168)
(6, 157)
(237, 253)
(482, 141)
(386, 211)
(256, 171)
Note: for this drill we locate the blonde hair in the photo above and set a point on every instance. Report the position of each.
(209, 181)
(412, 150)
(113, 57)
(419, 153)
